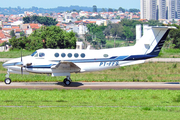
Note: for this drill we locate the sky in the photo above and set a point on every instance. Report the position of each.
(127, 4)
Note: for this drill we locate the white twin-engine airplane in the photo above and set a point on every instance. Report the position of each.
(63, 62)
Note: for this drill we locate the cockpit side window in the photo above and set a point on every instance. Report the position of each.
(34, 53)
(41, 54)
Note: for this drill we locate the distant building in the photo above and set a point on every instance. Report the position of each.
(0, 23)
(82, 29)
(149, 9)
(161, 9)
(79, 45)
(67, 17)
(171, 9)
(178, 8)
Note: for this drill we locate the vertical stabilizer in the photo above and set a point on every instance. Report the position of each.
(152, 41)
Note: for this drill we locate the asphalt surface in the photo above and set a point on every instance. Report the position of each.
(92, 85)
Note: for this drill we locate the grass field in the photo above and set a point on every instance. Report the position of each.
(170, 53)
(147, 72)
(90, 104)
(118, 43)
(96, 104)
(15, 54)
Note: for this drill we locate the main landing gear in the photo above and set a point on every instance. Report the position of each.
(67, 81)
(7, 80)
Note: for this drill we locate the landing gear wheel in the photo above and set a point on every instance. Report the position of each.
(67, 82)
(7, 81)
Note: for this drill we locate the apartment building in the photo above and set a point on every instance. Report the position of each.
(178, 9)
(149, 9)
(171, 9)
(160, 9)
(161, 6)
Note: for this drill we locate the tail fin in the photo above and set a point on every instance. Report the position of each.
(153, 40)
(159, 45)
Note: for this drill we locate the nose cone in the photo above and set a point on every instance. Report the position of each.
(12, 62)
(17, 62)
(4, 64)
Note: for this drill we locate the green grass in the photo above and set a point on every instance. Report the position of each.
(90, 104)
(91, 113)
(118, 43)
(15, 54)
(69, 98)
(170, 53)
(147, 72)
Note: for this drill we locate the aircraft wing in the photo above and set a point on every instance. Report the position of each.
(66, 66)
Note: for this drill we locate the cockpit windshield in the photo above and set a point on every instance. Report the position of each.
(34, 53)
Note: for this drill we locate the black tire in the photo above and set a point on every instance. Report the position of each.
(64, 81)
(67, 82)
(7, 81)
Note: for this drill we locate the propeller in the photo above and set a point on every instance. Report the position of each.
(22, 63)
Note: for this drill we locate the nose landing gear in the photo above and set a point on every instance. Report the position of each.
(7, 80)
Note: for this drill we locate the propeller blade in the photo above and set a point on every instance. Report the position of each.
(21, 55)
(22, 63)
(21, 70)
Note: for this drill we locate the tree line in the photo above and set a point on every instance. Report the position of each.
(39, 19)
(125, 30)
(96, 34)
(173, 39)
(45, 37)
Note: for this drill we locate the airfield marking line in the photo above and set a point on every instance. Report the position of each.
(88, 106)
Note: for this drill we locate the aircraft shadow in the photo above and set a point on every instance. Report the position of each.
(172, 83)
(73, 84)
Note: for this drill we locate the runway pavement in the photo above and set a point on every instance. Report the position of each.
(92, 85)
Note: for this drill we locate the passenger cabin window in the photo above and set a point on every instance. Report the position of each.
(56, 54)
(76, 55)
(82, 55)
(63, 55)
(41, 54)
(105, 55)
(69, 55)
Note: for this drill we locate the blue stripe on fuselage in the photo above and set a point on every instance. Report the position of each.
(120, 58)
(40, 66)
